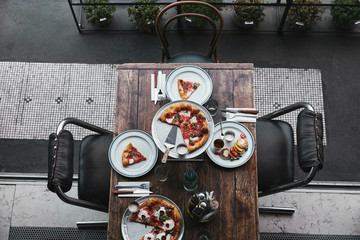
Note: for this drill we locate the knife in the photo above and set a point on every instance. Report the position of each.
(138, 191)
(240, 111)
(155, 89)
(169, 142)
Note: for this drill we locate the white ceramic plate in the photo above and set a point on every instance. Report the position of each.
(132, 230)
(160, 131)
(143, 142)
(193, 74)
(238, 129)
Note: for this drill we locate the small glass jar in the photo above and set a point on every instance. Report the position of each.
(191, 180)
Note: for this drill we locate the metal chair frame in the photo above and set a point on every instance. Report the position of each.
(298, 183)
(58, 190)
(161, 30)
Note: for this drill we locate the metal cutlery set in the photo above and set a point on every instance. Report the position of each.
(158, 80)
(132, 189)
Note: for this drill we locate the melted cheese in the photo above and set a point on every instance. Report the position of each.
(157, 212)
(149, 236)
(194, 138)
(169, 225)
(143, 212)
(169, 120)
(131, 161)
(186, 141)
(188, 94)
(186, 114)
(193, 119)
(160, 235)
(169, 237)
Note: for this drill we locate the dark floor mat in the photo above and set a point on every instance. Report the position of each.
(44, 233)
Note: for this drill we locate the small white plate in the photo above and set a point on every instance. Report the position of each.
(238, 129)
(144, 144)
(192, 74)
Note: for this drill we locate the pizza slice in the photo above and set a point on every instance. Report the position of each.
(131, 155)
(186, 88)
(155, 234)
(195, 132)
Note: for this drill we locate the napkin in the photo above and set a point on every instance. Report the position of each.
(133, 184)
(161, 84)
(240, 117)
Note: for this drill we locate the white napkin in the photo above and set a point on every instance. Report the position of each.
(161, 84)
(240, 117)
(133, 184)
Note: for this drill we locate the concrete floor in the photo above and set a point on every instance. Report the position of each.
(44, 31)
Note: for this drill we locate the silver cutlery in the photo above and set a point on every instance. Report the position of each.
(170, 142)
(240, 111)
(222, 133)
(232, 115)
(139, 191)
(155, 86)
(141, 186)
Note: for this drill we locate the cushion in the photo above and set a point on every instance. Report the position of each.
(310, 140)
(275, 153)
(190, 57)
(60, 167)
(94, 169)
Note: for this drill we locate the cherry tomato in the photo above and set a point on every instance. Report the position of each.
(242, 135)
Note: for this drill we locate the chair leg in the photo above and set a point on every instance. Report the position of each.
(92, 224)
(277, 210)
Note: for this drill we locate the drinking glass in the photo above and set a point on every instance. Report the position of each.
(191, 180)
(203, 235)
(162, 172)
(211, 105)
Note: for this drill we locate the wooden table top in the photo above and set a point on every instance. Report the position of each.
(235, 189)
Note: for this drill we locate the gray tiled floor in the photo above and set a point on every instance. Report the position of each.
(333, 212)
(44, 93)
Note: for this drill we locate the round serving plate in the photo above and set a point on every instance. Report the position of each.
(160, 131)
(192, 74)
(238, 129)
(140, 140)
(133, 230)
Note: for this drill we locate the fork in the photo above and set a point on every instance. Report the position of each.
(142, 186)
(222, 133)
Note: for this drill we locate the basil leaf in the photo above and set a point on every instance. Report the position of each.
(195, 85)
(158, 228)
(133, 154)
(164, 217)
(191, 135)
(194, 125)
(158, 207)
(172, 231)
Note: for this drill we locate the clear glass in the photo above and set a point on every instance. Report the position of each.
(191, 180)
(162, 172)
(211, 105)
(203, 235)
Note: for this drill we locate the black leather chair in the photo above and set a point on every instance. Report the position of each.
(275, 151)
(94, 166)
(189, 57)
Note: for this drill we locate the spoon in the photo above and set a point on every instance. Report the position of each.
(222, 134)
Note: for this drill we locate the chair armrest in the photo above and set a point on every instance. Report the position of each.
(78, 202)
(83, 124)
(287, 109)
(309, 177)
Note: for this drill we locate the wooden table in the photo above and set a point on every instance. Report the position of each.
(235, 189)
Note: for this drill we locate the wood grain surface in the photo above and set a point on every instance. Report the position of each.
(235, 189)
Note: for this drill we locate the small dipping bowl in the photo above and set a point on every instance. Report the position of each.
(182, 149)
(133, 206)
(218, 144)
(229, 135)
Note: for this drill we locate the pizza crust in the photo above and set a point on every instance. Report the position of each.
(126, 151)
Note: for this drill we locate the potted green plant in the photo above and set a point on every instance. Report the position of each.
(144, 16)
(200, 22)
(301, 18)
(98, 14)
(345, 17)
(247, 16)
